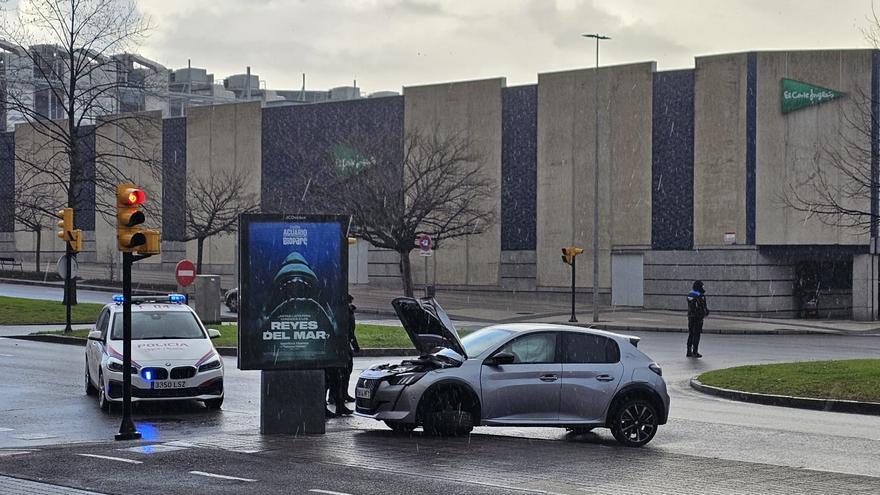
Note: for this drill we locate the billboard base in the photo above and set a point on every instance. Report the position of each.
(292, 402)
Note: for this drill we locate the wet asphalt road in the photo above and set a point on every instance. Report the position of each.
(42, 403)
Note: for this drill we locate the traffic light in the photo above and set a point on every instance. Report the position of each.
(568, 254)
(131, 236)
(68, 234)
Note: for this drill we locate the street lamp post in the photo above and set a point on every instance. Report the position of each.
(597, 37)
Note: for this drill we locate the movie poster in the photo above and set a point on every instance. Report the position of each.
(293, 311)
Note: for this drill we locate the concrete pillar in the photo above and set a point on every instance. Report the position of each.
(865, 291)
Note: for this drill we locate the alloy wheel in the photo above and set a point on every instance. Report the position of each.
(636, 423)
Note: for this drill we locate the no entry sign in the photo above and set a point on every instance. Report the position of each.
(185, 272)
(426, 245)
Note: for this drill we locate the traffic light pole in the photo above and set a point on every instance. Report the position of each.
(573, 318)
(127, 430)
(68, 297)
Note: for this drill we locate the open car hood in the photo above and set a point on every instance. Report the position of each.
(427, 325)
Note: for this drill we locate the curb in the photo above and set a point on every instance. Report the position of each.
(718, 331)
(828, 405)
(223, 351)
(54, 339)
(60, 285)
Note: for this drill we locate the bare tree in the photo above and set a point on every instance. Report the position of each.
(214, 204)
(837, 190)
(33, 213)
(436, 187)
(68, 77)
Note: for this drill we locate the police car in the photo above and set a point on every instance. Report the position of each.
(172, 356)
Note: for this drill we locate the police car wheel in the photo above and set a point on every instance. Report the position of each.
(103, 402)
(90, 389)
(214, 404)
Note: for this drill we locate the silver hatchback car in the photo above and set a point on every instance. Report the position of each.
(524, 374)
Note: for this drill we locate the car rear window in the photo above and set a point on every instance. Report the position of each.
(153, 325)
(587, 348)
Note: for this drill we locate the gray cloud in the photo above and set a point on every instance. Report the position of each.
(390, 43)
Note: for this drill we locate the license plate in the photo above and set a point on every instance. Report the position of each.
(168, 384)
(363, 393)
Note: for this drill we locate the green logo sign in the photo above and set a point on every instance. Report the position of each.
(797, 95)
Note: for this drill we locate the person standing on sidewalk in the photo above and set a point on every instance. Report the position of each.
(697, 310)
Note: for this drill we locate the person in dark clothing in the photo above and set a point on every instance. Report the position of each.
(338, 378)
(697, 310)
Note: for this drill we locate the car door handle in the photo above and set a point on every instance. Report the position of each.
(549, 378)
(605, 378)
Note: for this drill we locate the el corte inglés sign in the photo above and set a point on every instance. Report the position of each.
(798, 94)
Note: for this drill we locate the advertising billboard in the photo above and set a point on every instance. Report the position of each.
(293, 287)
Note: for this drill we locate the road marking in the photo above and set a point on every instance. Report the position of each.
(34, 436)
(153, 449)
(6, 355)
(328, 492)
(7, 429)
(107, 457)
(221, 476)
(6, 453)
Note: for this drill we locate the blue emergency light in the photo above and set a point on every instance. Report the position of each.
(176, 298)
(148, 375)
(118, 298)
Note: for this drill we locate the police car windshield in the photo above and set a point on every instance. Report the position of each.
(148, 325)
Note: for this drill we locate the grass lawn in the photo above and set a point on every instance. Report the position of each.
(19, 311)
(856, 379)
(369, 336)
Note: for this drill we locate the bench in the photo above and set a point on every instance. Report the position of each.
(11, 263)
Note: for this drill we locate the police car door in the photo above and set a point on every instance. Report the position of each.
(96, 348)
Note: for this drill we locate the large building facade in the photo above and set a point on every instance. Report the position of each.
(694, 169)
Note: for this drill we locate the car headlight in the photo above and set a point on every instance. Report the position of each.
(405, 378)
(212, 365)
(116, 366)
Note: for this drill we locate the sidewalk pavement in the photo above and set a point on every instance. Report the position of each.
(472, 310)
(476, 309)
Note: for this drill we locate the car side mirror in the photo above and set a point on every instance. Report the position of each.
(499, 359)
(213, 333)
(95, 335)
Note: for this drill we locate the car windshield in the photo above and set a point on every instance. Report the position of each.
(477, 342)
(149, 325)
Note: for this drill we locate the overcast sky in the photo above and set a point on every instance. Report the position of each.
(387, 44)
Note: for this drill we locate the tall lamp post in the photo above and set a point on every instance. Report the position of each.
(597, 37)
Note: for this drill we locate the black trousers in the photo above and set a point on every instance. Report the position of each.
(337, 381)
(695, 329)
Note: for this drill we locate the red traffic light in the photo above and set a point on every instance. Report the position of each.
(133, 197)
